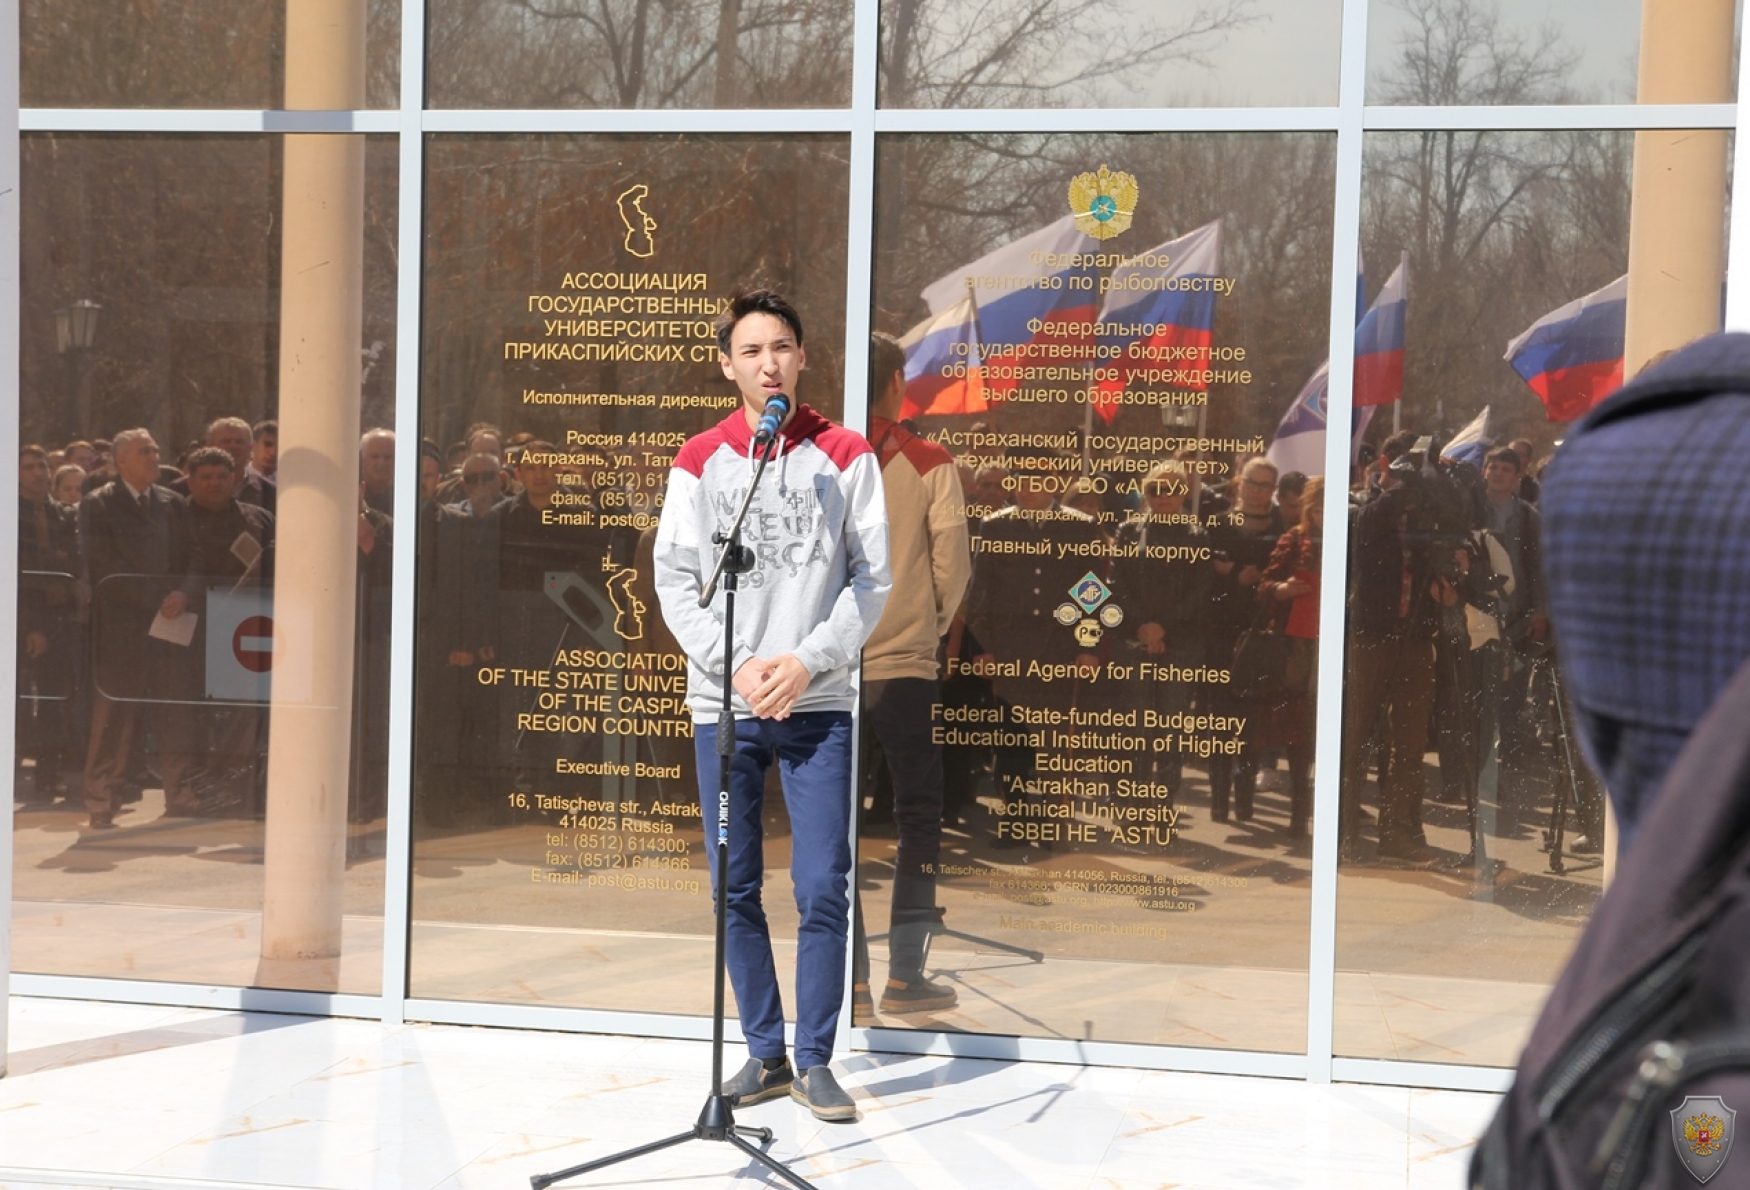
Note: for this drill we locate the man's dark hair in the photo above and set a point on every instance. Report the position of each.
(429, 450)
(886, 357)
(1291, 482)
(32, 452)
(262, 429)
(533, 446)
(744, 301)
(1397, 446)
(1505, 454)
(210, 456)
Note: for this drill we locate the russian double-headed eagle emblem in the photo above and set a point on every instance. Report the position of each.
(1702, 1133)
(1702, 1127)
(1103, 202)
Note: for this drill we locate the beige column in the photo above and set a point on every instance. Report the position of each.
(9, 409)
(321, 306)
(1677, 224)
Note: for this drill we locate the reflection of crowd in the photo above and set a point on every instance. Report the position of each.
(1211, 595)
(515, 564)
(1448, 652)
(1449, 647)
(124, 562)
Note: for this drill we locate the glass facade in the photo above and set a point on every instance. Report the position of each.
(591, 54)
(570, 288)
(156, 299)
(1111, 792)
(1449, 53)
(1475, 782)
(1099, 757)
(191, 54)
(1108, 53)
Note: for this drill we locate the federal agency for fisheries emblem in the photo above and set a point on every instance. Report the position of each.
(1702, 1127)
(1089, 594)
(1103, 202)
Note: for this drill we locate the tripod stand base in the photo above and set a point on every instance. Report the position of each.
(716, 1122)
(936, 926)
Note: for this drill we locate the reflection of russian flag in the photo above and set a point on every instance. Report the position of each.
(1027, 283)
(942, 364)
(1572, 357)
(1471, 444)
(1153, 295)
(1379, 343)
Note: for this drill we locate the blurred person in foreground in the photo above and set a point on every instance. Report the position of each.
(1646, 511)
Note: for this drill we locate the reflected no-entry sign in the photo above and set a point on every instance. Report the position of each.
(252, 644)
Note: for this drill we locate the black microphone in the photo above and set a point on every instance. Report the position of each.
(776, 410)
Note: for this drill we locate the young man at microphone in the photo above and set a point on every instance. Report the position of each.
(818, 531)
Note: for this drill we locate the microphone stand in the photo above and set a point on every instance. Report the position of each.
(717, 1118)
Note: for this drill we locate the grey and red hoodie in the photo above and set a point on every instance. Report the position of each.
(818, 529)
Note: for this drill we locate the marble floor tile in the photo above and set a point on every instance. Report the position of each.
(123, 1097)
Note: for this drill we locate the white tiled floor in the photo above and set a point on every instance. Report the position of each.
(121, 1097)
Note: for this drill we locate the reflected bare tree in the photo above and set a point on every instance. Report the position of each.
(1500, 226)
(1273, 193)
(1037, 53)
(639, 53)
(511, 216)
(98, 53)
(1459, 52)
(177, 238)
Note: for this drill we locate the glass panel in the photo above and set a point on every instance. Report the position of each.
(180, 53)
(1123, 809)
(1109, 53)
(570, 284)
(1463, 52)
(1472, 824)
(161, 775)
(631, 54)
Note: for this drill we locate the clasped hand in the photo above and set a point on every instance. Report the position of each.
(771, 687)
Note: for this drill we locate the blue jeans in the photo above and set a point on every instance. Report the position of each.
(813, 751)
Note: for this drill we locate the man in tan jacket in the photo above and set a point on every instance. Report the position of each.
(931, 563)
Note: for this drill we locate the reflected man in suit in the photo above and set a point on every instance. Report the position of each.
(135, 546)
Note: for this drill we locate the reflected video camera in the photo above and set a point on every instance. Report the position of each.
(1442, 509)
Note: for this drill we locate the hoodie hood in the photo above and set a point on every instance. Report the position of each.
(803, 425)
(1646, 539)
